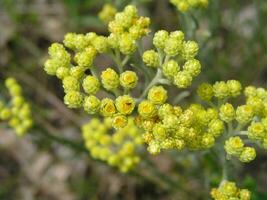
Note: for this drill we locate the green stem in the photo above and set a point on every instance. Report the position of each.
(152, 83)
(181, 96)
(117, 59)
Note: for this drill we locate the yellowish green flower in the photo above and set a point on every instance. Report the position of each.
(221, 90)
(227, 112)
(119, 121)
(205, 91)
(73, 99)
(160, 39)
(157, 95)
(107, 13)
(91, 104)
(151, 58)
(110, 79)
(244, 114)
(125, 104)
(71, 84)
(183, 79)
(234, 87)
(170, 69)
(234, 146)
(91, 84)
(17, 111)
(147, 109)
(128, 79)
(107, 107)
(247, 155)
(256, 131)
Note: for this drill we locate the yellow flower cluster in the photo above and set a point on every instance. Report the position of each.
(220, 90)
(172, 52)
(234, 146)
(257, 100)
(81, 90)
(17, 112)
(82, 82)
(135, 116)
(251, 117)
(119, 148)
(170, 127)
(185, 5)
(126, 28)
(107, 13)
(228, 190)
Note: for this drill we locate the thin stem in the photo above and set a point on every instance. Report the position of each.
(116, 57)
(181, 96)
(152, 83)
(230, 128)
(94, 71)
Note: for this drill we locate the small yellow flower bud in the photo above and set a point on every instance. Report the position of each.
(151, 58)
(85, 58)
(5, 114)
(173, 46)
(71, 84)
(107, 107)
(91, 104)
(193, 67)
(160, 39)
(62, 72)
(256, 131)
(73, 99)
(234, 87)
(125, 104)
(91, 84)
(107, 13)
(157, 95)
(216, 127)
(51, 66)
(245, 194)
(244, 114)
(234, 146)
(100, 43)
(164, 110)
(128, 79)
(110, 79)
(190, 50)
(247, 155)
(127, 44)
(119, 121)
(227, 112)
(147, 109)
(207, 140)
(221, 90)
(250, 91)
(205, 91)
(182, 79)
(170, 69)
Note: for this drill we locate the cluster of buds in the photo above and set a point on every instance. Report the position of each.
(119, 149)
(235, 146)
(248, 120)
(126, 28)
(175, 57)
(228, 190)
(107, 13)
(17, 111)
(87, 87)
(185, 5)
(85, 90)
(170, 127)
(112, 96)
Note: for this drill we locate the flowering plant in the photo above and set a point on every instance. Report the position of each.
(129, 102)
